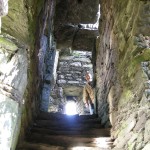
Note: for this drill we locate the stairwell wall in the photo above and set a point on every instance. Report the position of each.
(123, 45)
(20, 79)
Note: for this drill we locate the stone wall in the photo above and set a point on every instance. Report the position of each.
(123, 99)
(72, 69)
(3, 10)
(48, 56)
(19, 77)
(13, 82)
(48, 77)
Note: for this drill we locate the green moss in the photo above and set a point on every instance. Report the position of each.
(136, 62)
(144, 56)
(16, 23)
(7, 44)
(126, 96)
(22, 19)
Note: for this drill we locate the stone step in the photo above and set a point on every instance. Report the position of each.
(67, 128)
(56, 124)
(58, 116)
(73, 121)
(68, 141)
(32, 146)
(78, 133)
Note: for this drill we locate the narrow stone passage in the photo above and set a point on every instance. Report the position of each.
(55, 131)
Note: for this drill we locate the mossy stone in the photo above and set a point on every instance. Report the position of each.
(7, 44)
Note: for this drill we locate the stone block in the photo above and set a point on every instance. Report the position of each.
(63, 69)
(66, 58)
(76, 68)
(69, 78)
(147, 147)
(69, 75)
(84, 40)
(61, 76)
(87, 66)
(45, 97)
(73, 82)
(85, 60)
(48, 78)
(76, 64)
(9, 115)
(123, 140)
(3, 7)
(145, 64)
(61, 81)
(139, 146)
(147, 84)
(147, 131)
(147, 93)
(65, 35)
(141, 123)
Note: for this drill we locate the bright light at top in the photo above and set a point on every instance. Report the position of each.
(70, 108)
(95, 25)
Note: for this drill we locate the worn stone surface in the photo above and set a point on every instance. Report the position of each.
(147, 131)
(21, 24)
(71, 71)
(49, 76)
(9, 116)
(3, 7)
(13, 82)
(84, 40)
(74, 12)
(122, 82)
(3, 10)
(76, 38)
(68, 28)
(21, 18)
(123, 71)
(147, 147)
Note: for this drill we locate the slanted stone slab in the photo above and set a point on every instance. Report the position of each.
(77, 39)
(74, 12)
(85, 39)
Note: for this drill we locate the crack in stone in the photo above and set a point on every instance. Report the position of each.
(10, 92)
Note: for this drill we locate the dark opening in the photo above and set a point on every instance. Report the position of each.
(80, 1)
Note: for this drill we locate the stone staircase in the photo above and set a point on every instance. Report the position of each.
(54, 131)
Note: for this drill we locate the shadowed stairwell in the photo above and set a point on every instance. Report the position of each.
(46, 49)
(54, 131)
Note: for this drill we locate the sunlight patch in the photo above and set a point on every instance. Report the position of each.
(70, 108)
